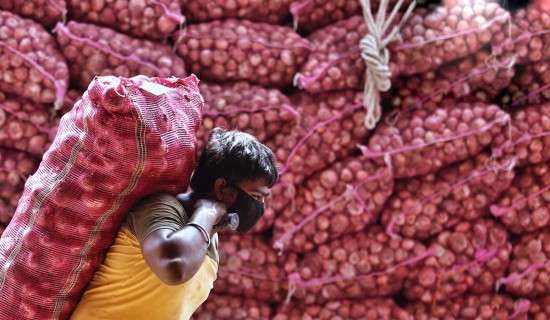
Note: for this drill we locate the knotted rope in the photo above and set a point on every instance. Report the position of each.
(376, 55)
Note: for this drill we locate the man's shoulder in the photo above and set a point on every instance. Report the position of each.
(160, 199)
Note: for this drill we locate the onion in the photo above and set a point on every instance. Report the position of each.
(527, 140)
(481, 76)
(364, 264)
(250, 108)
(234, 50)
(422, 141)
(15, 168)
(530, 86)
(92, 51)
(224, 306)
(363, 309)
(438, 34)
(45, 12)
(26, 126)
(523, 37)
(469, 258)
(274, 12)
(529, 272)
(153, 19)
(250, 268)
(423, 207)
(470, 306)
(32, 65)
(344, 198)
(525, 206)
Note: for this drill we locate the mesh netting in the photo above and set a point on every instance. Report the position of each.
(32, 66)
(363, 309)
(423, 207)
(529, 271)
(226, 306)
(260, 53)
(45, 12)
(92, 50)
(273, 12)
(343, 198)
(153, 19)
(26, 126)
(250, 268)
(525, 206)
(471, 306)
(360, 265)
(469, 258)
(15, 168)
(125, 139)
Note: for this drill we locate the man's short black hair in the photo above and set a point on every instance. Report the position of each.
(236, 156)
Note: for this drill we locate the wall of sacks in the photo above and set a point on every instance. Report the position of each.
(440, 211)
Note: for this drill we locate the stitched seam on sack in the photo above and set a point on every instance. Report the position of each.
(42, 196)
(138, 170)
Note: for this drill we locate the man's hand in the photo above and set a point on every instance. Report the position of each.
(214, 209)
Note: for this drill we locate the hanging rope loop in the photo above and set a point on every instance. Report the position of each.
(376, 55)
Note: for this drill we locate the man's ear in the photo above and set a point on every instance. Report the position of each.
(220, 185)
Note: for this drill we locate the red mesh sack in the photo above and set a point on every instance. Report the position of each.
(335, 62)
(330, 126)
(530, 86)
(482, 76)
(362, 265)
(153, 19)
(125, 139)
(364, 309)
(26, 126)
(30, 63)
(15, 168)
(469, 306)
(92, 51)
(423, 207)
(540, 308)
(529, 272)
(343, 198)
(525, 206)
(528, 35)
(527, 139)
(224, 306)
(469, 258)
(45, 12)
(250, 108)
(438, 34)
(233, 50)
(274, 12)
(250, 268)
(422, 141)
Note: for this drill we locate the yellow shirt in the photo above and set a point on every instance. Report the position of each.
(124, 287)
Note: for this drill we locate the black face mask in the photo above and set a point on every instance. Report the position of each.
(249, 210)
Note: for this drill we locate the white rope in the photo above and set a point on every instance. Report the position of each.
(376, 55)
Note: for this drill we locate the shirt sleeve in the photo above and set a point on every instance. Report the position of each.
(159, 211)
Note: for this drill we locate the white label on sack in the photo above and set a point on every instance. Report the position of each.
(154, 88)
